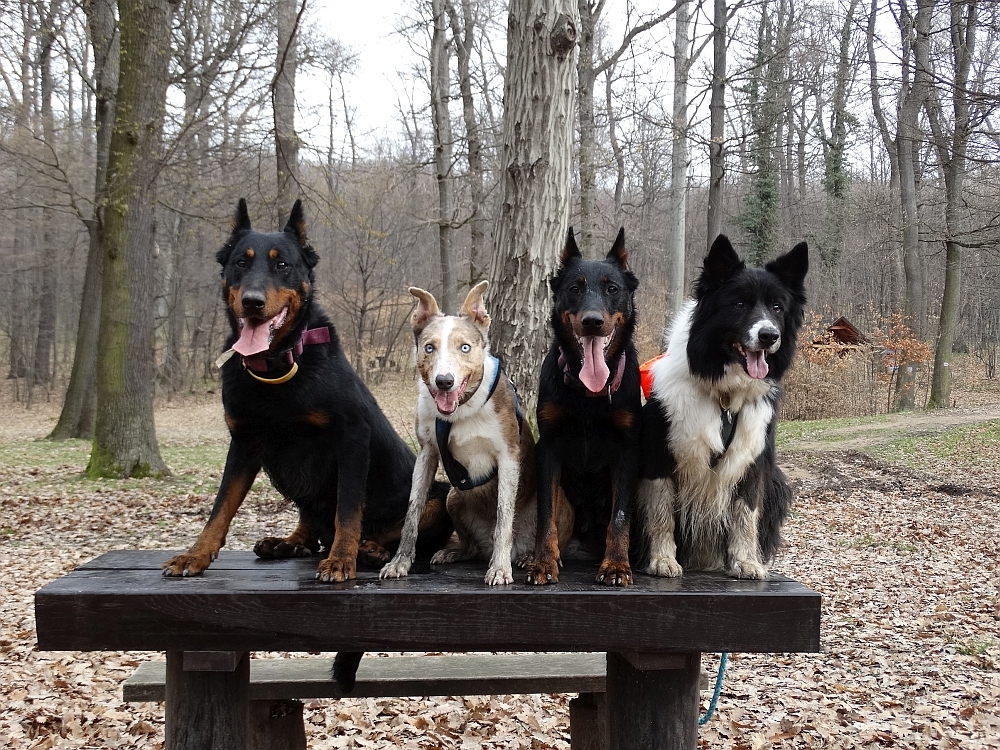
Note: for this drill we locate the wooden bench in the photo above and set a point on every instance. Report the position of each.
(277, 687)
(653, 633)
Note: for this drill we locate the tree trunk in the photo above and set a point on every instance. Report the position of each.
(590, 14)
(536, 162)
(440, 84)
(717, 128)
(286, 142)
(124, 433)
(77, 417)
(679, 161)
(463, 31)
(952, 163)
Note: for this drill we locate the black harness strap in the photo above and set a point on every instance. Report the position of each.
(458, 475)
(729, 421)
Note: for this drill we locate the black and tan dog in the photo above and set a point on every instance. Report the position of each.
(589, 412)
(296, 409)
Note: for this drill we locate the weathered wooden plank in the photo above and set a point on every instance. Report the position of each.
(403, 676)
(652, 709)
(278, 605)
(206, 710)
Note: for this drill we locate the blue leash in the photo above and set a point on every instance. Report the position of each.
(718, 690)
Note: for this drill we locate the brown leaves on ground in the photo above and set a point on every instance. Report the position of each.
(908, 567)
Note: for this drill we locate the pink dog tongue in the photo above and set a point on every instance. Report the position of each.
(447, 401)
(255, 337)
(757, 365)
(595, 373)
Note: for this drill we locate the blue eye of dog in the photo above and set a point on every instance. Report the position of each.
(281, 265)
(465, 348)
(429, 348)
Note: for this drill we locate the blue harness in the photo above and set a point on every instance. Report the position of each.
(458, 475)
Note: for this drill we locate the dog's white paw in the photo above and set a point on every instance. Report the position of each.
(396, 568)
(499, 575)
(748, 569)
(664, 567)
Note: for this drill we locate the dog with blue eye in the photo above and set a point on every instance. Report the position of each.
(469, 421)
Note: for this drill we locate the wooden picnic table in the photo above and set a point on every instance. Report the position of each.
(653, 632)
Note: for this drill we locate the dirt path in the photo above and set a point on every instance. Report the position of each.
(891, 427)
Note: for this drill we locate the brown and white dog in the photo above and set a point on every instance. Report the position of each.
(468, 420)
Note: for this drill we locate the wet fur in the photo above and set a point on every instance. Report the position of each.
(588, 447)
(699, 505)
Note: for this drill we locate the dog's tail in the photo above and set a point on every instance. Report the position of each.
(345, 669)
(777, 499)
(435, 524)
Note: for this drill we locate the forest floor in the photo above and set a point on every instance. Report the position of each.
(896, 523)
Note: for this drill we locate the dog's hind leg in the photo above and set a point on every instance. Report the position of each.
(654, 499)
(744, 550)
(302, 542)
(423, 476)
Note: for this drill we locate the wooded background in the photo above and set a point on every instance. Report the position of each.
(868, 129)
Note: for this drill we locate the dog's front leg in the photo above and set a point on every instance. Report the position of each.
(508, 474)
(615, 569)
(544, 568)
(655, 500)
(352, 481)
(242, 467)
(744, 548)
(423, 477)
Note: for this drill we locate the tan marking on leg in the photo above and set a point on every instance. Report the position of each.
(341, 564)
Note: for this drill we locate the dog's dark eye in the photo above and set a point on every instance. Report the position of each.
(429, 348)
(777, 306)
(465, 348)
(574, 289)
(740, 304)
(241, 263)
(612, 289)
(281, 265)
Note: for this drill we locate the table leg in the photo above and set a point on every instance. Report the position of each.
(653, 701)
(206, 710)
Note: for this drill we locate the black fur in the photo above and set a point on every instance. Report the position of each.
(730, 297)
(588, 444)
(320, 437)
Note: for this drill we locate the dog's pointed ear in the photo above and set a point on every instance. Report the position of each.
(618, 253)
(570, 250)
(296, 225)
(475, 309)
(792, 267)
(239, 225)
(427, 308)
(720, 264)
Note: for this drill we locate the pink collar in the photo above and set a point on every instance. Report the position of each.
(572, 380)
(259, 362)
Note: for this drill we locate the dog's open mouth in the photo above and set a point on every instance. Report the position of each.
(447, 401)
(595, 372)
(256, 335)
(753, 361)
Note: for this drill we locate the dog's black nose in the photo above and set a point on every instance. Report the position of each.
(768, 336)
(253, 301)
(444, 382)
(592, 322)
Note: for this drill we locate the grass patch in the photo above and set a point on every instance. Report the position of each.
(790, 433)
(966, 447)
(975, 646)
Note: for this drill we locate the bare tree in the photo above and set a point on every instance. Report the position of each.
(124, 433)
(536, 161)
(679, 159)
(440, 89)
(286, 141)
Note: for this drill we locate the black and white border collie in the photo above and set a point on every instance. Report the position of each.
(711, 496)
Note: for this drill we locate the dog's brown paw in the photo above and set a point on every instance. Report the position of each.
(274, 547)
(540, 572)
(334, 569)
(373, 554)
(187, 564)
(615, 573)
